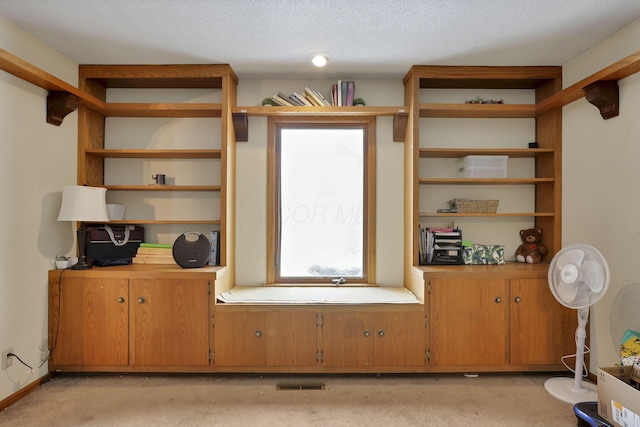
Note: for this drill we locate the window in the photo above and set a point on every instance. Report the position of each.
(321, 203)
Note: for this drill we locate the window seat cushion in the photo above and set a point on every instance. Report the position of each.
(317, 295)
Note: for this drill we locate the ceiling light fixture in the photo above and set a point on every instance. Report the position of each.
(319, 60)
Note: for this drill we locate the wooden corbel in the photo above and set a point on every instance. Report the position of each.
(605, 95)
(59, 104)
(400, 120)
(241, 126)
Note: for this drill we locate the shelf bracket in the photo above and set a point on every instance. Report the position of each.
(241, 126)
(400, 120)
(59, 104)
(605, 96)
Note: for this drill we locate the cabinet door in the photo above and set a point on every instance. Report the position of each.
(239, 338)
(91, 317)
(170, 322)
(541, 330)
(346, 339)
(399, 338)
(291, 338)
(468, 322)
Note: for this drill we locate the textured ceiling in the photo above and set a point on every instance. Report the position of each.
(363, 38)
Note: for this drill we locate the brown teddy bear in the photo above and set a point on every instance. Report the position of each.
(531, 250)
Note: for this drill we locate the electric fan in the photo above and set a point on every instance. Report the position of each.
(578, 278)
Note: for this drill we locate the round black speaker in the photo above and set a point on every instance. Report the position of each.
(191, 250)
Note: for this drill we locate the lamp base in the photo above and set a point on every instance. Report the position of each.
(79, 266)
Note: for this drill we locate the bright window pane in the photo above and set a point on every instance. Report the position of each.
(321, 202)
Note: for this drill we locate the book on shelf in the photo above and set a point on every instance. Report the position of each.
(214, 257)
(351, 91)
(143, 250)
(343, 92)
(284, 102)
(150, 259)
(316, 97)
(302, 99)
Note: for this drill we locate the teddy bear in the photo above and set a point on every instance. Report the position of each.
(531, 250)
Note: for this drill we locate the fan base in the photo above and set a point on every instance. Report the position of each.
(564, 389)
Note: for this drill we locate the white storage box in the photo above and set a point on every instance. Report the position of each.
(115, 212)
(483, 167)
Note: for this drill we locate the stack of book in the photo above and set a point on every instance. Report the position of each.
(154, 253)
(343, 93)
(440, 246)
(307, 98)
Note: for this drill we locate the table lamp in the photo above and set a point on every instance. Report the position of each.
(82, 204)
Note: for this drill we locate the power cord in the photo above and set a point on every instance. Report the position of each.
(19, 360)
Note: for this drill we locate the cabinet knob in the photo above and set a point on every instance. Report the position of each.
(381, 333)
(367, 333)
(517, 300)
(498, 300)
(258, 334)
(120, 300)
(141, 300)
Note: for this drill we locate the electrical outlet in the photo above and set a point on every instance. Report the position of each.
(6, 359)
(44, 350)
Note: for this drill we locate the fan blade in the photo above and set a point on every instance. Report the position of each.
(567, 292)
(584, 295)
(573, 256)
(593, 275)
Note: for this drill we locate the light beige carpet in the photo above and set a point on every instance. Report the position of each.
(252, 400)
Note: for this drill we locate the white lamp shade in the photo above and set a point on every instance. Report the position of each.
(82, 203)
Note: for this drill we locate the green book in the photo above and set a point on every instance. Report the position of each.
(156, 245)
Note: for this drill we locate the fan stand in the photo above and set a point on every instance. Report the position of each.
(573, 390)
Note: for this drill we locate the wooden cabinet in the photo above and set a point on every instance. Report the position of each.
(88, 321)
(390, 339)
(130, 318)
(169, 322)
(541, 330)
(496, 318)
(529, 196)
(265, 338)
(468, 322)
(168, 119)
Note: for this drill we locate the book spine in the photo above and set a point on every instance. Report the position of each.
(339, 94)
(303, 99)
(343, 93)
(317, 101)
(351, 90)
(213, 256)
(281, 101)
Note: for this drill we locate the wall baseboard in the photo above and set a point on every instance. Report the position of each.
(25, 391)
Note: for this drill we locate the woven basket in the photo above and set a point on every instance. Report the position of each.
(475, 206)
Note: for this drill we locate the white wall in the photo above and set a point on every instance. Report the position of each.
(36, 160)
(601, 198)
(251, 236)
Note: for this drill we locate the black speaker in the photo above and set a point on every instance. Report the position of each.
(191, 250)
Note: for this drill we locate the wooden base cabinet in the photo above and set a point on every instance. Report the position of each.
(130, 318)
(318, 339)
(258, 339)
(468, 323)
(389, 339)
(541, 330)
(495, 318)
(88, 321)
(169, 322)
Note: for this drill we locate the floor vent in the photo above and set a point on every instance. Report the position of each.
(300, 387)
